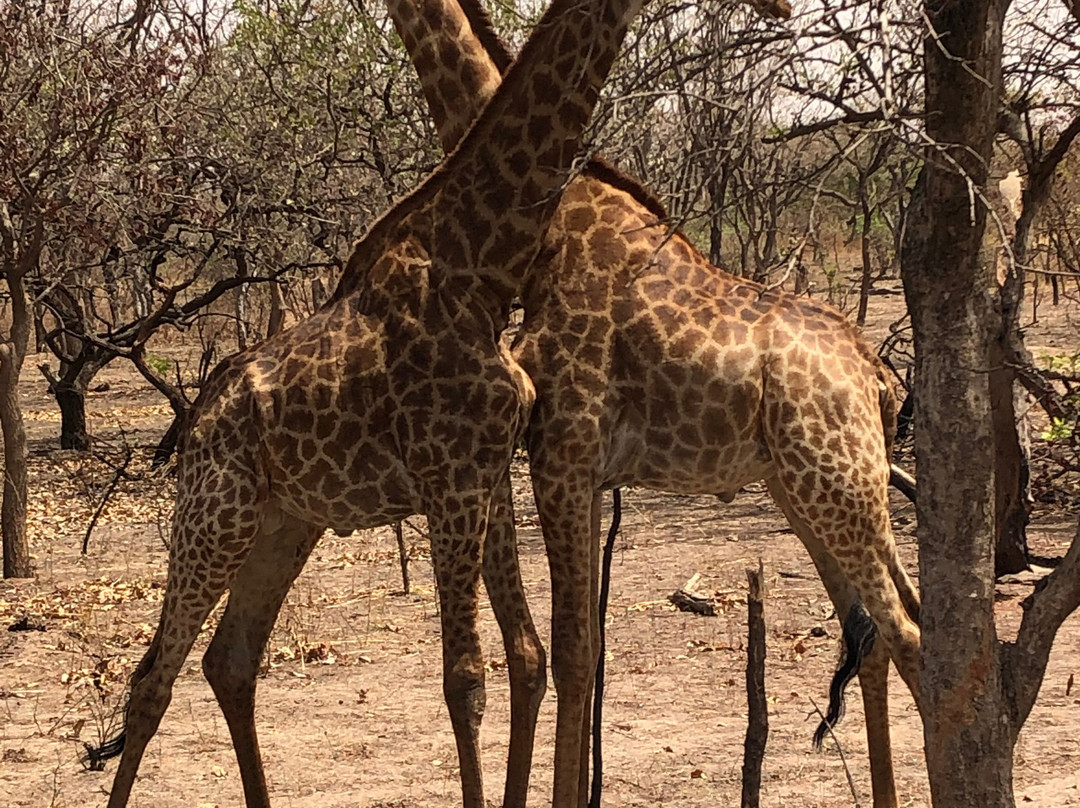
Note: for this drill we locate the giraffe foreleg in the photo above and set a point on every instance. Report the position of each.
(525, 656)
(571, 535)
(231, 662)
(457, 525)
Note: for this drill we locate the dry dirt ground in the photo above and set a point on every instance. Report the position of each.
(350, 710)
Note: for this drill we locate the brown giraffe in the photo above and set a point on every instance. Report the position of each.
(654, 368)
(397, 398)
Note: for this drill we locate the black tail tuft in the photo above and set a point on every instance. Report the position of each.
(859, 635)
(97, 755)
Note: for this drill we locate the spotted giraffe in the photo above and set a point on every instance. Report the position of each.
(396, 398)
(655, 369)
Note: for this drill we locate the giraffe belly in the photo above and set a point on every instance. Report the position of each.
(664, 463)
(370, 490)
(688, 444)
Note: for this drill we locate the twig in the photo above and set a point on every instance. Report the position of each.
(840, 749)
(117, 475)
(403, 557)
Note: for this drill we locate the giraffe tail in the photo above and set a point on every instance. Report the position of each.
(95, 756)
(858, 637)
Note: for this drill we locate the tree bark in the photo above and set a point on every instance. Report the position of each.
(1011, 469)
(757, 715)
(276, 320)
(12, 353)
(70, 393)
(950, 295)
(73, 434)
(13, 509)
(718, 183)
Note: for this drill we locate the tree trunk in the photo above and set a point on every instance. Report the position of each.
(16, 262)
(718, 183)
(70, 393)
(1011, 470)
(864, 283)
(1014, 447)
(171, 439)
(949, 293)
(241, 319)
(72, 402)
(13, 509)
(318, 293)
(276, 321)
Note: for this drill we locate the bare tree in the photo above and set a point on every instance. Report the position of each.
(51, 139)
(976, 692)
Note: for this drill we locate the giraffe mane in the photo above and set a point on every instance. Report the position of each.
(482, 26)
(597, 167)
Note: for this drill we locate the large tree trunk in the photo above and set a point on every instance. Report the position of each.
(12, 353)
(950, 296)
(13, 509)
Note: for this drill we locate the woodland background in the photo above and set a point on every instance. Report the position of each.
(179, 179)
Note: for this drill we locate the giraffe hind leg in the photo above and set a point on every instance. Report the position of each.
(838, 489)
(204, 556)
(873, 673)
(231, 662)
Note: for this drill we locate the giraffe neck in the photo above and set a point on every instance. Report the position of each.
(483, 214)
(501, 185)
(456, 72)
(460, 60)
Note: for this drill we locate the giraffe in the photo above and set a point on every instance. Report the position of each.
(623, 297)
(398, 397)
